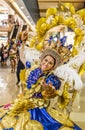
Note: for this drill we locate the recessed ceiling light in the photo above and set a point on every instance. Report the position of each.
(27, 16)
(22, 7)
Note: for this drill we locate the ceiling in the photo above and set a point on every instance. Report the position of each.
(22, 6)
(32, 7)
(45, 4)
(5, 8)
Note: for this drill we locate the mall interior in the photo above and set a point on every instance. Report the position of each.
(34, 18)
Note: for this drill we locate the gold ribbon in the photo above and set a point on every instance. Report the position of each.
(8, 121)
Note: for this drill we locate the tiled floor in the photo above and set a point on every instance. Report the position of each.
(9, 90)
(78, 114)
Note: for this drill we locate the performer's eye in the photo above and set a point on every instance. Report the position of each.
(46, 60)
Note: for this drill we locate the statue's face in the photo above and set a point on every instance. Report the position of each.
(52, 38)
(59, 38)
(47, 63)
(54, 35)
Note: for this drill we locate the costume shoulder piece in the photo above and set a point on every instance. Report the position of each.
(63, 29)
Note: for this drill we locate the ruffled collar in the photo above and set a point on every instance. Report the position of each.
(34, 76)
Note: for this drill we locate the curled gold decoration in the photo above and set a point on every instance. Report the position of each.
(78, 31)
(82, 14)
(70, 22)
(64, 98)
(82, 69)
(56, 19)
(21, 105)
(22, 120)
(60, 20)
(1, 127)
(8, 121)
(69, 7)
(39, 46)
(60, 116)
(33, 41)
(40, 22)
(2, 112)
(33, 125)
(43, 28)
(51, 11)
(65, 128)
(78, 36)
(74, 52)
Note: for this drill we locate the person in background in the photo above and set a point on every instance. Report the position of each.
(2, 54)
(21, 58)
(13, 57)
(5, 55)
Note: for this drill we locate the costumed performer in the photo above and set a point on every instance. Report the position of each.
(42, 85)
(59, 30)
(13, 57)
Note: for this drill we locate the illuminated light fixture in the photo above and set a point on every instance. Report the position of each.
(22, 7)
(27, 16)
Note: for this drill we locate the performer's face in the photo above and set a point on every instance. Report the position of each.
(47, 63)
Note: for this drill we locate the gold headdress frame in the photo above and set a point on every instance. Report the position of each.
(54, 54)
(54, 18)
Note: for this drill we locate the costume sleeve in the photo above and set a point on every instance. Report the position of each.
(54, 80)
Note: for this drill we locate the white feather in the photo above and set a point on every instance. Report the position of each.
(65, 72)
(69, 75)
(31, 54)
(77, 61)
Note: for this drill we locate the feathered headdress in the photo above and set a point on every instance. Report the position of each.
(55, 17)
